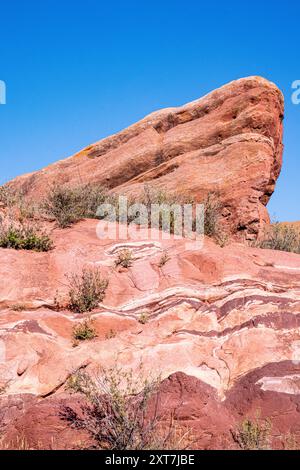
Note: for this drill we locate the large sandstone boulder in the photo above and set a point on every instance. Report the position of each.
(228, 142)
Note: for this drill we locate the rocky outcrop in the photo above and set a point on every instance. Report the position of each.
(225, 319)
(221, 325)
(229, 143)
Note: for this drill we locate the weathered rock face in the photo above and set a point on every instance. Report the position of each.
(223, 330)
(223, 324)
(229, 142)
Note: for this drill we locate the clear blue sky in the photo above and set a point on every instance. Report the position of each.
(77, 71)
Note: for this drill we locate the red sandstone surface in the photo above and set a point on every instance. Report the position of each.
(223, 325)
(222, 321)
(228, 142)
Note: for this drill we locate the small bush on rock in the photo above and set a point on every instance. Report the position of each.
(68, 205)
(253, 435)
(212, 226)
(84, 330)
(211, 215)
(281, 237)
(18, 307)
(24, 237)
(124, 259)
(212, 210)
(8, 196)
(19, 207)
(163, 260)
(86, 290)
(117, 414)
(169, 208)
(144, 318)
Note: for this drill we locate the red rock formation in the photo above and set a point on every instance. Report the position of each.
(223, 325)
(229, 142)
(226, 318)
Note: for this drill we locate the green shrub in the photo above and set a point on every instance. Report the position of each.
(281, 237)
(84, 331)
(8, 196)
(212, 210)
(86, 290)
(24, 237)
(289, 442)
(18, 307)
(118, 414)
(26, 210)
(167, 215)
(152, 195)
(22, 208)
(253, 435)
(163, 260)
(68, 205)
(144, 318)
(125, 258)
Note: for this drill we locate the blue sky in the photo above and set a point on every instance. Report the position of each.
(77, 71)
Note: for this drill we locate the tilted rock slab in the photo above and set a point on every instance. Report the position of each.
(229, 142)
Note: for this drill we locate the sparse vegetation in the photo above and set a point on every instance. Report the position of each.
(290, 442)
(24, 237)
(211, 216)
(8, 196)
(84, 330)
(86, 290)
(169, 209)
(68, 205)
(253, 435)
(281, 237)
(26, 210)
(144, 318)
(3, 387)
(212, 209)
(153, 195)
(19, 443)
(124, 258)
(19, 207)
(163, 260)
(18, 307)
(117, 414)
(111, 334)
(212, 226)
